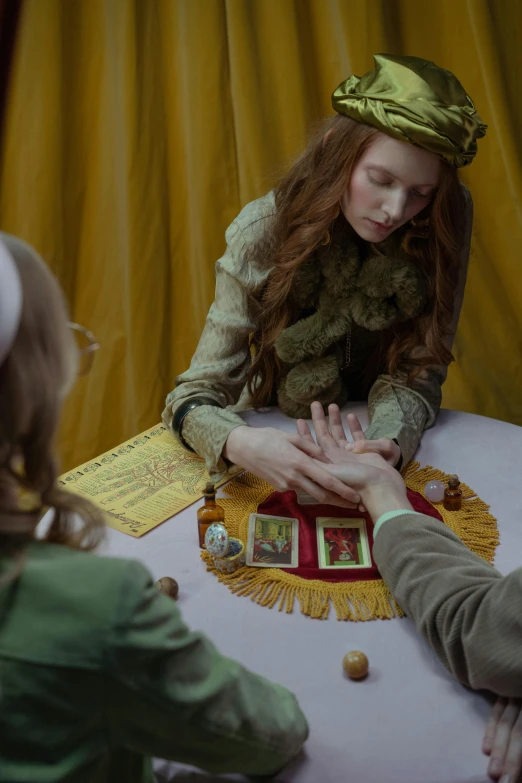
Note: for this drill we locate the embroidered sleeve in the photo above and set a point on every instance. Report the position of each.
(403, 412)
(219, 367)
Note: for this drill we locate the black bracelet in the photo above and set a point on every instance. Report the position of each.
(398, 466)
(181, 412)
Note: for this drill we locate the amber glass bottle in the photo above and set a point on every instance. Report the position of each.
(209, 513)
(453, 494)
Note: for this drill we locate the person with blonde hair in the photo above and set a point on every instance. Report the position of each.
(98, 672)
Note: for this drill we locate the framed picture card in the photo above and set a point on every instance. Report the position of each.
(342, 543)
(273, 542)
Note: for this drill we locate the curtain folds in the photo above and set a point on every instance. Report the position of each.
(135, 131)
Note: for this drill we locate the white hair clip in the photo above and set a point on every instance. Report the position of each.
(11, 298)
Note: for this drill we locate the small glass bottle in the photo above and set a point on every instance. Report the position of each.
(453, 494)
(209, 513)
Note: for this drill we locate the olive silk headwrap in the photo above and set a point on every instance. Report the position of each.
(414, 100)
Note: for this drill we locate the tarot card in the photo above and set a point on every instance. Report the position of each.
(342, 543)
(273, 542)
(304, 499)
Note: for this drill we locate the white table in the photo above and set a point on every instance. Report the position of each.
(409, 722)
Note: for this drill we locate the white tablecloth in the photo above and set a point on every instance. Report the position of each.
(409, 722)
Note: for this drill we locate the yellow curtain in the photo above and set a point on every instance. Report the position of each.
(136, 130)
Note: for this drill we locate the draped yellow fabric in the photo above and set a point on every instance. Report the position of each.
(136, 129)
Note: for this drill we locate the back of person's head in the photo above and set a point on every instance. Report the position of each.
(38, 361)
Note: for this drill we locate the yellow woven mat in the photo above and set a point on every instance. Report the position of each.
(364, 600)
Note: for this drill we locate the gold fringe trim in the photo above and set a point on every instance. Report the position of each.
(473, 524)
(364, 600)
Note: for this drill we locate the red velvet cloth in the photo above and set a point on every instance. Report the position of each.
(284, 504)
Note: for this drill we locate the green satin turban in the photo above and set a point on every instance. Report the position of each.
(414, 100)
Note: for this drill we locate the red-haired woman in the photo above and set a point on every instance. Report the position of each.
(344, 283)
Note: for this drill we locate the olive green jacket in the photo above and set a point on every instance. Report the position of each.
(220, 364)
(98, 673)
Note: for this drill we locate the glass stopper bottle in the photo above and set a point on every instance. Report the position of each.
(453, 494)
(209, 513)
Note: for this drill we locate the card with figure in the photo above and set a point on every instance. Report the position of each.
(273, 542)
(342, 543)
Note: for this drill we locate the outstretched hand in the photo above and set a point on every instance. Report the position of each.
(380, 485)
(288, 461)
(503, 740)
(331, 437)
(387, 448)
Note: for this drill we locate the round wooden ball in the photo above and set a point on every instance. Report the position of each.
(168, 586)
(355, 664)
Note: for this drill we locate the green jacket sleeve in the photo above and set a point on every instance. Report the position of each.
(403, 412)
(222, 359)
(171, 694)
(468, 612)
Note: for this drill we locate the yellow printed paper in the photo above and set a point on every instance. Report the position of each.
(143, 482)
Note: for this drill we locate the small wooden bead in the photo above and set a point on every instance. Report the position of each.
(168, 586)
(355, 664)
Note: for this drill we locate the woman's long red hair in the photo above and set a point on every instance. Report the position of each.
(307, 205)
